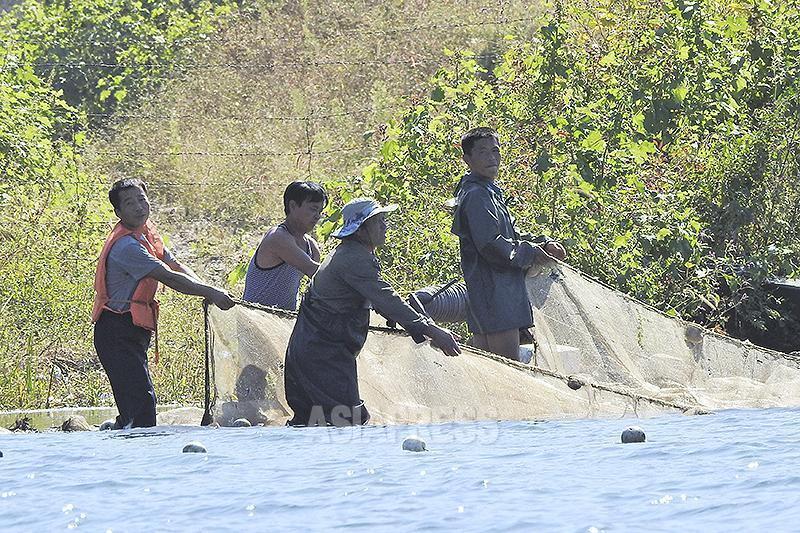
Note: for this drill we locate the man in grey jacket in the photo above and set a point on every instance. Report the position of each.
(494, 257)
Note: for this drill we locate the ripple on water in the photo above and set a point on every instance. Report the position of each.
(693, 473)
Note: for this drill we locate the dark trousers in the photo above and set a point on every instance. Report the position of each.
(122, 349)
(308, 412)
(320, 374)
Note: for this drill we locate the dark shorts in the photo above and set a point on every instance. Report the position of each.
(122, 349)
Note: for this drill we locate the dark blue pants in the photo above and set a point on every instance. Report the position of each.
(122, 349)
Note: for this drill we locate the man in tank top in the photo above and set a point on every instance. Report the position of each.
(286, 251)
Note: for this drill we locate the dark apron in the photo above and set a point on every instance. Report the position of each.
(321, 376)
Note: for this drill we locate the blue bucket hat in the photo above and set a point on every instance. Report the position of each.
(356, 211)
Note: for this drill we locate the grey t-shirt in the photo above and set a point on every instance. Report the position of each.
(127, 263)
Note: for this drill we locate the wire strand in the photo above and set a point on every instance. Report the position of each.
(228, 154)
(347, 33)
(246, 65)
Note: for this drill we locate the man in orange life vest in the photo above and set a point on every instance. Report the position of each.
(132, 263)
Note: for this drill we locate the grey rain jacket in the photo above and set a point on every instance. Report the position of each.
(494, 258)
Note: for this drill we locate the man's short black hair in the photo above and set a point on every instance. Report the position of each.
(121, 185)
(472, 136)
(304, 191)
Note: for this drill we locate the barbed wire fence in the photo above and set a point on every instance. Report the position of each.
(500, 20)
(307, 155)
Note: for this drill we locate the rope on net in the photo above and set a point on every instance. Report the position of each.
(571, 381)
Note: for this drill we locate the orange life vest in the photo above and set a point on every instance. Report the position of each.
(144, 306)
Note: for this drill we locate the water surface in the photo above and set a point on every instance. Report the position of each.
(732, 470)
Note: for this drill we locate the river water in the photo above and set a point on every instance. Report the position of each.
(733, 470)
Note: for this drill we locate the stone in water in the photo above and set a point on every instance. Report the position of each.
(633, 434)
(194, 447)
(414, 444)
(76, 423)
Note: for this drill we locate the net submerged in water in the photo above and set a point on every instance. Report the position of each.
(600, 354)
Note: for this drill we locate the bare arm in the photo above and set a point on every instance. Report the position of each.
(174, 264)
(315, 253)
(187, 285)
(180, 267)
(282, 245)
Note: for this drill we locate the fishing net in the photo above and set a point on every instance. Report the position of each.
(586, 328)
(599, 354)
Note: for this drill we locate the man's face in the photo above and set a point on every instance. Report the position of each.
(306, 214)
(485, 157)
(134, 207)
(375, 227)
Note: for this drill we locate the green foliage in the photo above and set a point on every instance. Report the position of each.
(662, 157)
(50, 219)
(54, 213)
(67, 66)
(104, 54)
(657, 140)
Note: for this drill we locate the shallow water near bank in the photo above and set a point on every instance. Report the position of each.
(733, 469)
(45, 419)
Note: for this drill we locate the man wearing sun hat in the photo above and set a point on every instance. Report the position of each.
(321, 379)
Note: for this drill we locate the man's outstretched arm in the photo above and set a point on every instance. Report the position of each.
(187, 285)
